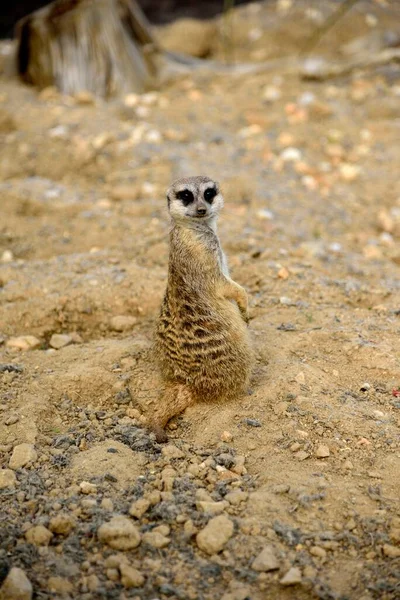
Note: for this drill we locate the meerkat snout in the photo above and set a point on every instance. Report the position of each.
(190, 200)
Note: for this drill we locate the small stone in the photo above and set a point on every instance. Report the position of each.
(16, 586)
(7, 256)
(122, 323)
(87, 488)
(12, 420)
(349, 172)
(266, 560)
(93, 582)
(23, 342)
(292, 577)
(391, 551)
(348, 465)
(38, 535)
(290, 154)
(59, 586)
(236, 497)
(112, 574)
(22, 455)
(59, 340)
(212, 508)
(138, 508)
(84, 97)
(252, 422)
(283, 273)
(155, 539)
(271, 93)
(300, 378)
(322, 451)
(115, 560)
(62, 524)
(301, 455)
(215, 535)
(107, 504)
(7, 479)
(226, 436)
(171, 451)
(318, 551)
(130, 577)
(119, 533)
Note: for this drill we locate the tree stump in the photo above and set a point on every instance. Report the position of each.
(101, 46)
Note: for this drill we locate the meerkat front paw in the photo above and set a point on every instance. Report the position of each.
(245, 315)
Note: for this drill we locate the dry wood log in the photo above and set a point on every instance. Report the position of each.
(101, 46)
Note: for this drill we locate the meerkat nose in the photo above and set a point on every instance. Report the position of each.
(201, 211)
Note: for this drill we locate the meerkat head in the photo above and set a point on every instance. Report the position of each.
(194, 199)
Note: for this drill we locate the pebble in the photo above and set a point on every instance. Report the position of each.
(391, 551)
(59, 586)
(155, 539)
(38, 535)
(291, 154)
(322, 451)
(130, 577)
(215, 535)
(226, 436)
(292, 577)
(119, 533)
(107, 504)
(236, 497)
(266, 560)
(12, 420)
(16, 586)
(84, 97)
(23, 342)
(62, 524)
(349, 172)
(7, 256)
(87, 488)
(171, 451)
(122, 323)
(138, 508)
(212, 508)
(7, 479)
(22, 455)
(318, 551)
(59, 340)
(252, 422)
(271, 93)
(301, 455)
(115, 560)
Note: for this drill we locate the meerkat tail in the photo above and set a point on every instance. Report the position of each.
(176, 398)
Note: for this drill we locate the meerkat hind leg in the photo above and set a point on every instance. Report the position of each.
(175, 399)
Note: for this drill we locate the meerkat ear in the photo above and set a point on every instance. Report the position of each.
(168, 200)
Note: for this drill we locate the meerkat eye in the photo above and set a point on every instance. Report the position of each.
(210, 194)
(186, 196)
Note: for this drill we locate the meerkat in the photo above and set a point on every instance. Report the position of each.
(202, 342)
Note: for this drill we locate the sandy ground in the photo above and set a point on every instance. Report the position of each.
(307, 466)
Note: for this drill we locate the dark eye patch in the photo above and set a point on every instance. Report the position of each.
(186, 196)
(210, 194)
